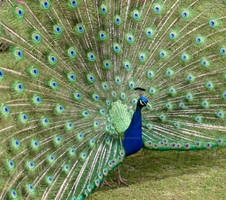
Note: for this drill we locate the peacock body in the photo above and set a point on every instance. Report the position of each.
(69, 111)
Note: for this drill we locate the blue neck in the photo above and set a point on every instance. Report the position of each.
(133, 135)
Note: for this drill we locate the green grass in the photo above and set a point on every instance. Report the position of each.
(170, 175)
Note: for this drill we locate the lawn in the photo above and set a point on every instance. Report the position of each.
(170, 175)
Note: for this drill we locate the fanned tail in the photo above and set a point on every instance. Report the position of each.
(187, 89)
(55, 141)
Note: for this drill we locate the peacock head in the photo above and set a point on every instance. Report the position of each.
(143, 102)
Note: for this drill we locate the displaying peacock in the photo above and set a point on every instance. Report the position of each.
(86, 83)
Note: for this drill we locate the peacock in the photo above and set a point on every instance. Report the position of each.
(86, 83)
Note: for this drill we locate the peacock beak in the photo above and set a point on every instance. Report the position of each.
(148, 105)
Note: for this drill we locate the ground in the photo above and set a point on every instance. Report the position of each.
(170, 176)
